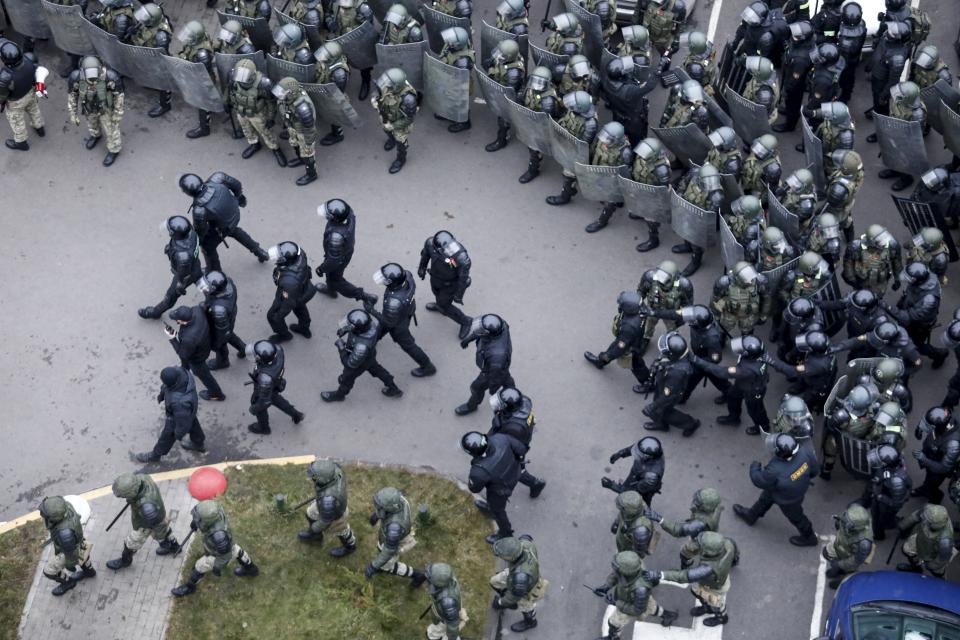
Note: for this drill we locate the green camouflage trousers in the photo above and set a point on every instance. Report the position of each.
(299, 143)
(17, 112)
(255, 129)
(106, 123)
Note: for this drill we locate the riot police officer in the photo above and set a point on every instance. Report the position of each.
(941, 190)
(155, 31)
(749, 377)
(816, 369)
(823, 237)
(700, 63)
(494, 351)
(672, 373)
(539, 95)
(646, 473)
(850, 40)
(725, 152)
(578, 75)
(928, 541)
(611, 148)
(342, 18)
(664, 19)
(191, 342)
(357, 338)
(800, 315)
(148, 517)
(249, 8)
(298, 116)
(507, 69)
(513, 416)
(650, 166)
(339, 237)
(520, 584)
(823, 83)
(183, 252)
(836, 130)
(826, 22)
(449, 265)
(18, 94)
(290, 44)
(308, 12)
(918, 308)
(329, 512)
(457, 52)
(889, 58)
(178, 393)
(890, 340)
(219, 547)
(70, 549)
(740, 299)
(216, 214)
(197, 47)
(268, 386)
(636, 42)
(97, 92)
(399, 309)
(929, 248)
(116, 17)
(928, 67)
(907, 106)
(685, 105)
(762, 168)
(397, 106)
(662, 288)
(250, 98)
(580, 120)
(628, 341)
(332, 66)
(798, 194)
(745, 219)
(842, 188)
(853, 545)
(797, 64)
(294, 290)
(939, 456)
(703, 189)
(630, 592)
(566, 34)
(887, 489)
(872, 261)
(951, 338)
(495, 469)
(232, 38)
(633, 530)
(512, 17)
(626, 95)
(220, 301)
(707, 340)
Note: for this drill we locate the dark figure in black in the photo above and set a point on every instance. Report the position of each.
(449, 266)
(268, 385)
(179, 397)
(357, 343)
(220, 303)
(399, 310)
(294, 290)
(513, 416)
(183, 252)
(495, 468)
(646, 474)
(494, 351)
(339, 237)
(191, 341)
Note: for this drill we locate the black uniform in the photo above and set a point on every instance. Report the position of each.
(784, 483)
(628, 341)
(826, 22)
(940, 459)
(900, 347)
(945, 199)
(851, 37)
(294, 291)
(889, 58)
(358, 354)
(952, 397)
(493, 359)
(216, 216)
(885, 493)
(179, 397)
(628, 104)
(749, 386)
(192, 344)
(268, 385)
(399, 310)
(815, 381)
(184, 256)
(449, 269)
(338, 243)
(497, 472)
(671, 380)
(645, 477)
(797, 63)
(519, 425)
(823, 83)
(221, 307)
(917, 310)
(860, 321)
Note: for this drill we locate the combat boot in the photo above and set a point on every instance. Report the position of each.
(911, 566)
(190, 445)
(346, 547)
(41, 132)
(390, 143)
(529, 622)
(257, 429)
(189, 586)
(110, 158)
(86, 571)
(335, 136)
(501, 140)
(311, 173)
(295, 162)
(457, 127)
(333, 396)
(423, 371)
(149, 313)
(465, 408)
(391, 391)
(364, 84)
(147, 457)
(125, 559)
(537, 488)
(902, 182)
(297, 417)
(296, 327)
(728, 419)
(65, 585)
(613, 633)
(401, 160)
(248, 570)
(309, 534)
(280, 158)
(533, 168)
(667, 617)
(322, 287)
(809, 540)
(568, 191)
(715, 620)
(744, 514)
(17, 146)
(683, 247)
(694, 265)
(91, 141)
(168, 547)
(603, 220)
(594, 359)
(370, 298)
(163, 105)
(252, 149)
(651, 243)
(203, 129)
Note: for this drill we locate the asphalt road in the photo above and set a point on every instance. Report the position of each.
(82, 253)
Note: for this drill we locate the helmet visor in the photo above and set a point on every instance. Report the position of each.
(243, 75)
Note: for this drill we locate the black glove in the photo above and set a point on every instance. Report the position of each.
(653, 515)
(319, 272)
(544, 25)
(896, 284)
(160, 396)
(653, 577)
(422, 273)
(242, 200)
(616, 456)
(227, 107)
(918, 433)
(458, 298)
(464, 344)
(610, 597)
(606, 482)
(369, 571)
(374, 519)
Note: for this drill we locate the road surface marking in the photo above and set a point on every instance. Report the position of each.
(715, 18)
(818, 597)
(653, 630)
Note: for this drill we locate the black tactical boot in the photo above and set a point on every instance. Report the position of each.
(277, 338)
(167, 547)
(464, 409)
(189, 586)
(728, 419)
(190, 445)
(651, 243)
(426, 370)
(501, 140)
(529, 622)
(147, 457)
(784, 125)
(311, 173)
(91, 141)
(401, 160)
(537, 488)
(252, 149)
(533, 169)
(603, 220)
(86, 571)
(296, 327)
(364, 84)
(257, 429)
(203, 129)
(667, 617)
(322, 287)
(715, 620)
(209, 396)
(594, 359)
(41, 132)
(902, 182)
(215, 364)
(391, 391)
(335, 136)
(109, 158)
(370, 298)
(872, 138)
(163, 105)
(809, 540)
(149, 313)
(390, 143)
(694, 265)
(295, 162)
(298, 417)
(345, 549)
(280, 158)
(744, 514)
(683, 247)
(333, 396)
(125, 559)
(18, 146)
(457, 127)
(248, 570)
(567, 192)
(65, 585)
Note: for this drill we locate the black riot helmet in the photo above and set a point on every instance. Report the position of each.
(178, 227)
(628, 302)
(886, 332)
(492, 324)
(951, 337)
(390, 275)
(506, 400)
(10, 54)
(936, 420)
(801, 31)
(864, 299)
(358, 321)
(698, 315)
(814, 341)
(444, 241)
(895, 5)
(801, 308)
(935, 179)
(474, 443)
(826, 54)
(851, 14)
(914, 273)
(621, 68)
(672, 346)
(264, 351)
(335, 210)
(755, 14)
(212, 282)
(284, 253)
(649, 448)
(752, 347)
(784, 445)
(191, 184)
(884, 457)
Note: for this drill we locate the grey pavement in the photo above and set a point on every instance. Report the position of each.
(82, 254)
(130, 603)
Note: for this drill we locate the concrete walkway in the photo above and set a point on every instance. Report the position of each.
(131, 603)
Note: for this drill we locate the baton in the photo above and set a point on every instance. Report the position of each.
(426, 611)
(894, 547)
(595, 592)
(117, 517)
(546, 15)
(184, 543)
(305, 502)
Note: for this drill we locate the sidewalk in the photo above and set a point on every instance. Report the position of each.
(131, 603)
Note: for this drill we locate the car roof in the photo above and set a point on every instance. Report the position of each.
(876, 586)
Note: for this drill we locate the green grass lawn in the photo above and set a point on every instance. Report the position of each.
(18, 561)
(302, 592)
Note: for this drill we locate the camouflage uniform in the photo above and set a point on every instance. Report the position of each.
(853, 545)
(929, 542)
(219, 547)
(664, 23)
(329, 513)
(255, 109)
(520, 584)
(101, 101)
(70, 549)
(25, 105)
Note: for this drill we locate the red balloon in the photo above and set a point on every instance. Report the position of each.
(206, 483)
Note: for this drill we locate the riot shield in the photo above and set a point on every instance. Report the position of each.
(690, 222)
(941, 92)
(730, 248)
(832, 320)
(495, 94)
(599, 183)
(544, 58)
(901, 145)
(950, 121)
(144, 65)
(278, 68)
(836, 395)
(380, 8)
(446, 89)
(332, 106)
(750, 120)
(360, 45)
(688, 143)
(853, 455)
(647, 200)
(775, 275)
(567, 149)
(408, 57)
(813, 152)
(718, 117)
(28, 18)
(312, 31)
(731, 190)
(106, 45)
(194, 84)
(730, 73)
(917, 215)
(490, 37)
(855, 370)
(531, 127)
(592, 31)
(226, 61)
(781, 218)
(436, 21)
(66, 28)
(257, 28)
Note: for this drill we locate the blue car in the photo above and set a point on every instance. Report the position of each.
(892, 605)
